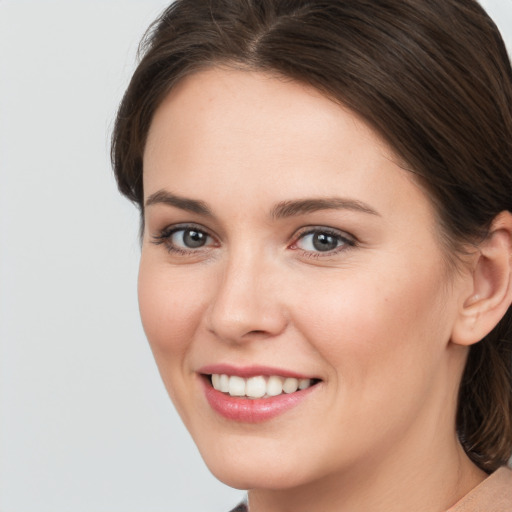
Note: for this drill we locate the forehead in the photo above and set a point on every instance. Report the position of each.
(248, 101)
(265, 135)
(275, 113)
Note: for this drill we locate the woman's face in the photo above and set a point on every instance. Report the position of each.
(283, 246)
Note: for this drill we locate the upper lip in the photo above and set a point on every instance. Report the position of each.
(250, 371)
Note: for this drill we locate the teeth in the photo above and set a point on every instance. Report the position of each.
(290, 385)
(223, 383)
(304, 383)
(256, 387)
(236, 386)
(274, 386)
(259, 386)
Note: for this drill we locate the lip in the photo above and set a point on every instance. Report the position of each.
(251, 410)
(250, 371)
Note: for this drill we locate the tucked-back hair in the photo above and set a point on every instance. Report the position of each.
(432, 77)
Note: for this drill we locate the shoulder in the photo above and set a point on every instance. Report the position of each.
(494, 494)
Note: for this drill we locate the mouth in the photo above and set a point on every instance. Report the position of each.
(258, 386)
(254, 394)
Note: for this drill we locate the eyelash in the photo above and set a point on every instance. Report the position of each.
(164, 237)
(344, 240)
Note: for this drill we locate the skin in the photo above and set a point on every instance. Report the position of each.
(373, 319)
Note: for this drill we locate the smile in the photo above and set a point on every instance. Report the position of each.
(254, 394)
(258, 386)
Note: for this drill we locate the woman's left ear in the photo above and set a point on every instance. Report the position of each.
(491, 285)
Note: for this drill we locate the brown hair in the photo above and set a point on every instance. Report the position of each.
(430, 76)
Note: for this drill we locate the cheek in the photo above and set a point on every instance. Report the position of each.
(384, 341)
(171, 306)
(377, 328)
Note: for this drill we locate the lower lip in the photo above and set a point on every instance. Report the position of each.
(252, 410)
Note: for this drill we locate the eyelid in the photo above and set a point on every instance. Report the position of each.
(164, 236)
(348, 240)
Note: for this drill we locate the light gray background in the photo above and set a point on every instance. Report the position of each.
(85, 423)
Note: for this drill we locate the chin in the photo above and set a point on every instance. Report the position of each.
(260, 467)
(256, 476)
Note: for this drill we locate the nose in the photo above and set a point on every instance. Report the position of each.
(245, 304)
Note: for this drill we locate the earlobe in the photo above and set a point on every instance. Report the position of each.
(491, 285)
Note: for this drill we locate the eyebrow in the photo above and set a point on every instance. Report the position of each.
(183, 203)
(302, 206)
(281, 210)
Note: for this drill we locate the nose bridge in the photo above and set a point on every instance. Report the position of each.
(245, 302)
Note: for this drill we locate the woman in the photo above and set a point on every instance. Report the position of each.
(325, 280)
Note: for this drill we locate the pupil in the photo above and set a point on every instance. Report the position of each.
(324, 242)
(194, 239)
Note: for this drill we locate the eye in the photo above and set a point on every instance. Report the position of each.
(183, 239)
(189, 238)
(323, 240)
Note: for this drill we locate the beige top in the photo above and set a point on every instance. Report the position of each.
(494, 494)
